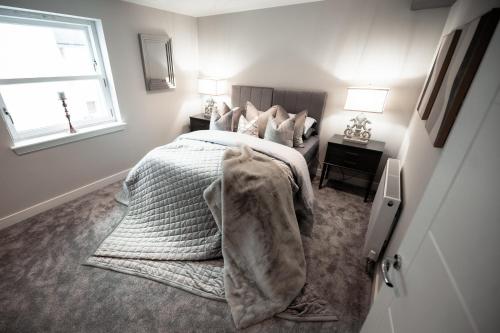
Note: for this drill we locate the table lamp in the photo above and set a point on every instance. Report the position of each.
(211, 87)
(363, 100)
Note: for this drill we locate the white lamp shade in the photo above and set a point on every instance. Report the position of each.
(366, 99)
(214, 87)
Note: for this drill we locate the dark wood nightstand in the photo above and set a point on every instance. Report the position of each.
(354, 156)
(198, 122)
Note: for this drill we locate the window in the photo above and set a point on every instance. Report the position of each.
(43, 55)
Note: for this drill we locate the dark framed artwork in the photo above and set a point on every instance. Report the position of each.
(470, 50)
(435, 78)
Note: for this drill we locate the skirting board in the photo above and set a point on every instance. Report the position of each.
(60, 199)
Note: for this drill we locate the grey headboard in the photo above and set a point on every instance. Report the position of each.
(261, 97)
(292, 100)
(295, 101)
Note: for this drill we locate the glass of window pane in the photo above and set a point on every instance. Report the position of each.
(30, 50)
(36, 107)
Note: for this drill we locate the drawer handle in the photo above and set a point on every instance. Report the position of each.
(352, 154)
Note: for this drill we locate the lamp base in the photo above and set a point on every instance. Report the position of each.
(356, 140)
(210, 106)
(356, 131)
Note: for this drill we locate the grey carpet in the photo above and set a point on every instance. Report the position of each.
(44, 287)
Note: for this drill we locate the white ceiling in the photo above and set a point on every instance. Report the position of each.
(199, 8)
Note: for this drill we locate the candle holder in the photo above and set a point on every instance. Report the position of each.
(62, 97)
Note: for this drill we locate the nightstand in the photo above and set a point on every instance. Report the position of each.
(353, 156)
(198, 122)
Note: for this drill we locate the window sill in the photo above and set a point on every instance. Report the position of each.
(31, 145)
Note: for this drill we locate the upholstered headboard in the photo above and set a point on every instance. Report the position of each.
(261, 97)
(293, 101)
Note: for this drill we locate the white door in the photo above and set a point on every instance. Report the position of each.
(450, 275)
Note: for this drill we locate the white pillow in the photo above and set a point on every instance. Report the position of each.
(308, 123)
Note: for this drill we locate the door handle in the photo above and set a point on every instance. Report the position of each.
(387, 262)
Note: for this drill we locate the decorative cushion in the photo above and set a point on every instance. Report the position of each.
(280, 133)
(248, 126)
(300, 118)
(225, 108)
(221, 122)
(262, 116)
(310, 132)
(237, 113)
(251, 111)
(282, 115)
(309, 127)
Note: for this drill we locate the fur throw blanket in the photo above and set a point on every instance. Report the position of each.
(264, 263)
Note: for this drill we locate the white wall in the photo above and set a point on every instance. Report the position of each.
(451, 239)
(419, 157)
(329, 45)
(153, 118)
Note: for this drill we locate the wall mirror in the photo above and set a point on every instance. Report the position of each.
(157, 61)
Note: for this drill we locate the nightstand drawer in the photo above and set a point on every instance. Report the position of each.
(353, 158)
(197, 124)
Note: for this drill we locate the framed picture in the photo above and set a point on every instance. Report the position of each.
(435, 78)
(157, 61)
(473, 44)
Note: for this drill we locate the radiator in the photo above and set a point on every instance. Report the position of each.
(384, 209)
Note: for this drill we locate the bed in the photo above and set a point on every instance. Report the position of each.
(212, 194)
(293, 101)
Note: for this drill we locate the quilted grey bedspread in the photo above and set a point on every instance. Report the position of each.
(168, 218)
(304, 198)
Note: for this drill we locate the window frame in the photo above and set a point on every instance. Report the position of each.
(97, 47)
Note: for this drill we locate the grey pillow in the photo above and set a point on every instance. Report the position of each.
(300, 119)
(282, 133)
(237, 113)
(221, 123)
(248, 127)
(281, 114)
(262, 116)
(225, 108)
(251, 111)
